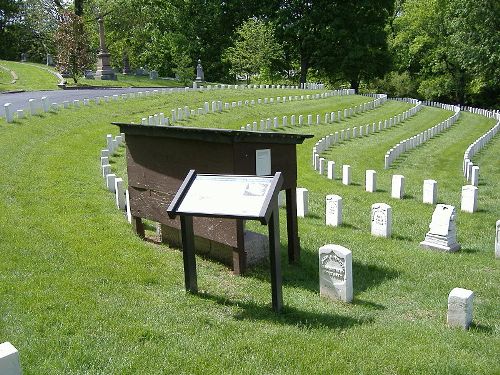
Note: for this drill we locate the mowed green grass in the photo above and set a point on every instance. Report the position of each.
(126, 80)
(81, 294)
(31, 77)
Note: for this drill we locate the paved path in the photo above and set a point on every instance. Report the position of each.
(20, 100)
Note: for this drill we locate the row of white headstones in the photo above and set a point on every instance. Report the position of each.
(410, 143)
(329, 117)
(217, 106)
(364, 130)
(43, 105)
(114, 183)
(336, 282)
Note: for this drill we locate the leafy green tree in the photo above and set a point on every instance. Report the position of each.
(450, 48)
(73, 55)
(254, 48)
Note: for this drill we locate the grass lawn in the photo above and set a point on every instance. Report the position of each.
(81, 294)
(126, 80)
(30, 77)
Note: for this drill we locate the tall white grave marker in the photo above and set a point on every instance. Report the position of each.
(335, 272)
(346, 174)
(333, 212)
(469, 198)
(430, 192)
(371, 181)
(497, 240)
(398, 186)
(302, 202)
(381, 220)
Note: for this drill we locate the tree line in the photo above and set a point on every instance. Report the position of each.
(446, 50)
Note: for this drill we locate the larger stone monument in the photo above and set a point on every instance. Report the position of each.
(442, 234)
(200, 76)
(104, 70)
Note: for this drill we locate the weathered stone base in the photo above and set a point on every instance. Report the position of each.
(440, 243)
(108, 75)
(256, 246)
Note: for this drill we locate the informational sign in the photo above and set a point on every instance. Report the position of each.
(226, 195)
(263, 162)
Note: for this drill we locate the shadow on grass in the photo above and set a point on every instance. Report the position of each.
(288, 316)
(481, 328)
(305, 274)
(402, 238)
(350, 226)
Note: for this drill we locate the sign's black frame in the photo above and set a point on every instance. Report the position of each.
(268, 215)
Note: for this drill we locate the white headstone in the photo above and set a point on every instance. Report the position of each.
(321, 166)
(398, 186)
(460, 308)
(32, 105)
(106, 169)
(381, 218)
(331, 170)
(469, 198)
(371, 181)
(127, 202)
(474, 180)
(442, 234)
(9, 360)
(497, 240)
(9, 116)
(335, 272)
(104, 160)
(119, 194)
(110, 182)
(302, 202)
(430, 192)
(333, 211)
(346, 174)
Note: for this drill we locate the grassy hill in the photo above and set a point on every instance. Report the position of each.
(81, 294)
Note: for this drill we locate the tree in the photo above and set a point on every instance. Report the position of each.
(450, 48)
(254, 48)
(73, 55)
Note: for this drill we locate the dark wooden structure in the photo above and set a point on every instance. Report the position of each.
(159, 158)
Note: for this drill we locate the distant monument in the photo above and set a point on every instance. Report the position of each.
(126, 64)
(50, 60)
(200, 76)
(104, 70)
(24, 57)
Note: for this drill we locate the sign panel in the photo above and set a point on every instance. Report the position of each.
(226, 195)
(263, 162)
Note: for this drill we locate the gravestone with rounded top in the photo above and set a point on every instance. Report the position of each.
(442, 234)
(335, 272)
(381, 220)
